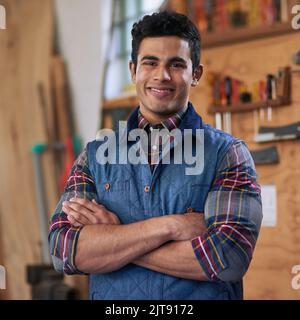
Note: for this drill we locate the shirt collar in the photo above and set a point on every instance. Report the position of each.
(190, 120)
(171, 123)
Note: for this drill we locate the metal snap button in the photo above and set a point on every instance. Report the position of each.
(107, 186)
(147, 188)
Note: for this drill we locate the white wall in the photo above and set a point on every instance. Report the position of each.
(82, 34)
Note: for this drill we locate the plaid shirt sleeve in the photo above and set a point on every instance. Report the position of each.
(233, 215)
(63, 237)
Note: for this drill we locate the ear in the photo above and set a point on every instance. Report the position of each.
(132, 71)
(197, 75)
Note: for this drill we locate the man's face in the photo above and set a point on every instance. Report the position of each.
(163, 76)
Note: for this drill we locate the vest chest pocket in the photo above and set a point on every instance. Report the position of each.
(182, 198)
(197, 194)
(114, 195)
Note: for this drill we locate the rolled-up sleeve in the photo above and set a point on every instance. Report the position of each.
(63, 237)
(233, 214)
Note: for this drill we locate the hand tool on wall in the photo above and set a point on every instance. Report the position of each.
(213, 82)
(218, 120)
(217, 101)
(46, 283)
(270, 93)
(223, 102)
(228, 95)
(287, 84)
(287, 132)
(263, 97)
(265, 156)
(37, 151)
(258, 114)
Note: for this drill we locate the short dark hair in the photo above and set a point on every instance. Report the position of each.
(166, 23)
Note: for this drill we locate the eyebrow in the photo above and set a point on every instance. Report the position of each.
(149, 58)
(173, 59)
(178, 59)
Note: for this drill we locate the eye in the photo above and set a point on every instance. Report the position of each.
(177, 65)
(150, 63)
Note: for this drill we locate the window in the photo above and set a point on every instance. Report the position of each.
(126, 12)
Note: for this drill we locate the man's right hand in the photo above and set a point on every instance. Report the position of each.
(187, 226)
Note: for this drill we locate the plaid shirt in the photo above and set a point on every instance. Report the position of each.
(63, 237)
(232, 214)
(156, 146)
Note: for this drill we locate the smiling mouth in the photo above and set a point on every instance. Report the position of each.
(160, 92)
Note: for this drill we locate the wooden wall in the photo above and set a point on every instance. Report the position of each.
(25, 49)
(278, 248)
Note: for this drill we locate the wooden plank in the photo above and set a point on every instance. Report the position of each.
(248, 107)
(25, 48)
(61, 99)
(231, 36)
(240, 34)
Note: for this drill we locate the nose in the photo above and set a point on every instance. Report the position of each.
(162, 74)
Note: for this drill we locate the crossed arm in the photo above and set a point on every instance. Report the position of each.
(105, 245)
(182, 245)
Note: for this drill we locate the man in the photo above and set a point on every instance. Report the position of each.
(152, 231)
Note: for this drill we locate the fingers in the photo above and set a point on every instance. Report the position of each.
(106, 214)
(97, 205)
(91, 205)
(74, 217)
(100, 213)
(73, 222)
(85, 212)
(79, 213)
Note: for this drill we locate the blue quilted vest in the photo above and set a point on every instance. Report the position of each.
(171, 191)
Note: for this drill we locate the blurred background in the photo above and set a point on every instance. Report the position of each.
(64, 75)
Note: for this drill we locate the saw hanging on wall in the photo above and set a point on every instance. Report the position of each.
(287, 132)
